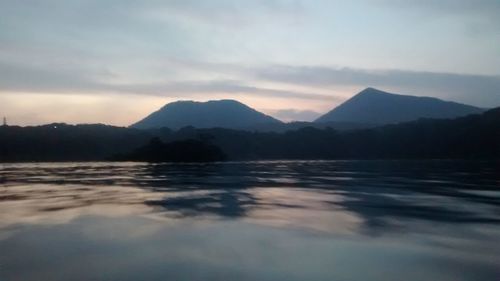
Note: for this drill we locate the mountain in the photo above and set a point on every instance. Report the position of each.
(378, 107)
(471, 137)
(219, 113)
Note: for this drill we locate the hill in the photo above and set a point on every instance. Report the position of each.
(474, 136)
(378, 107)
(220, 113)
(63, 142)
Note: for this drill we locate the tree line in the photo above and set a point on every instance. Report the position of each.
(470, 137)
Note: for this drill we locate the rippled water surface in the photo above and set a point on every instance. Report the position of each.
(313, 220)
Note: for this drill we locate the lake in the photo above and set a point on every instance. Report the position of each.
(274, 220)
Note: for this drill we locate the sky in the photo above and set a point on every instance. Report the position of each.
(116, 61)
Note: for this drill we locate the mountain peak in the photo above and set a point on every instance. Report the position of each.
(192, 103)
(378, 107)
(226, 113)
(376, 92)
(204, 102)
(372, 91)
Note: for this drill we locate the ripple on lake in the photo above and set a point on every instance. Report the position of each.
(277, 220)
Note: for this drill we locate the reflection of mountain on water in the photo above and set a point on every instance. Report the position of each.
(379, 195)
(382, 194)
(229, 203)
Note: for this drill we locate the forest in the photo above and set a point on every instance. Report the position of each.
(471, 137)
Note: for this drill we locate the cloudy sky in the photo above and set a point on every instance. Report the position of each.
(115, 61)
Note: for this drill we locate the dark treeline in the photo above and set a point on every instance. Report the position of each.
(61, 142)
(190, 150)
(473, 136)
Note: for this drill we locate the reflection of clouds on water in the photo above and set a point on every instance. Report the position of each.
(135, 248)
(58, 204)
(303, 209)
(250, 221)
(370, 197)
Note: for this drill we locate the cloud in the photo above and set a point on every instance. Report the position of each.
(227, 13)
(295, 115)
(26, 77)
(476, 17)
(456, 7)
(272, 53)
(482, 90)
(218, 86)
(76, 79)
(95, 17)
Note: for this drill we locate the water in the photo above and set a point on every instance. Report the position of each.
(312, 220)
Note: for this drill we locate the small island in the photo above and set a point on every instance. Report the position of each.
(189, 150)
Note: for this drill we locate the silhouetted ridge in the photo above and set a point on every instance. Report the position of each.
(379, 107)
(189, 150)
(470, 137)
(221, 113)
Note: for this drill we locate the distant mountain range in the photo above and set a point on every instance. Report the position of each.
(378, 107)
(360, 128)
(369, 108)
(221, 113)
(475, 136)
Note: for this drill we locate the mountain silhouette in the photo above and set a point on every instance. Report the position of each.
(474, 136)
(218, 113)
(378, 107)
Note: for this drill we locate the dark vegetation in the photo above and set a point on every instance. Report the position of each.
(190, 150)
(470, 137)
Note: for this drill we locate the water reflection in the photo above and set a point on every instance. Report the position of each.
(283, 220)
(374, 196)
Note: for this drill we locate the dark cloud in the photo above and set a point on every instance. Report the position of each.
(482, 90)
(74, 79)
(217, 86)
(92, 46)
